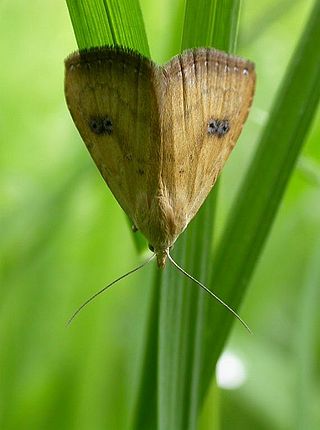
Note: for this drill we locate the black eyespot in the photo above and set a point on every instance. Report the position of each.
(107, 124)
(218, 127)
(100, 125)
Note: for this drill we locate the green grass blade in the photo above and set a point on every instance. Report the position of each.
(183, 308)
(226, 22)
(108, 22)
(264, 185)
(200, 17)
(213, 23)
(145, 408)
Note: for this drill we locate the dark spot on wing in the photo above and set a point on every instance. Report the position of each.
(218, 127)
(100, 125)
(140, 171)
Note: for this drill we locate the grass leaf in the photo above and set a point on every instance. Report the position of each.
(260, 195)
(108, 22)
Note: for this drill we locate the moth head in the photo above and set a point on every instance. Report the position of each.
(161, 256)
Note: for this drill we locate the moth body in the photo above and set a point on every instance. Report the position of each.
(159, 135)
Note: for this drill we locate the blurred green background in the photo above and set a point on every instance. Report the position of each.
(63, 236)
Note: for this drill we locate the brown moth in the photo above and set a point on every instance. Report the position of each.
(160, 135)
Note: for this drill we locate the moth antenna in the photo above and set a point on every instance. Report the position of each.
(208, 291)
(107, 287)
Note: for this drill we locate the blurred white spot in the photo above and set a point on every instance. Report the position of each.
(259, 116)
(230, 372)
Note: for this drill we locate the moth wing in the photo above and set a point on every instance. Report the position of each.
(207, 100)
(111, 99)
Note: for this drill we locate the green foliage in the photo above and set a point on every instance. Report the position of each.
(63, 235)
(108, 22)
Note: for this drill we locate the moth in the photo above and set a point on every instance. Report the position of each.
(159, 135)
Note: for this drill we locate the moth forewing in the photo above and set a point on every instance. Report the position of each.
(116, 85)
(208, 97)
